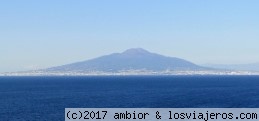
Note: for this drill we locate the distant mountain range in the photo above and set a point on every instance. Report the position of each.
(131, 59)
(237, 67)
(138, 61)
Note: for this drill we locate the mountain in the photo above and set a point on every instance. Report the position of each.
(131, 59)
(239, 67)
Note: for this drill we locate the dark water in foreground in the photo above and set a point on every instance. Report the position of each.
(45, 98)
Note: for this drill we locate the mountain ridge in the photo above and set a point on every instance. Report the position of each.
(131, 59)
(237, 67)
(136, 61)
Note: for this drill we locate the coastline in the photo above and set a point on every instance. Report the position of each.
(131, 73)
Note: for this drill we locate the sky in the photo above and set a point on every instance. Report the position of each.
(44, 33)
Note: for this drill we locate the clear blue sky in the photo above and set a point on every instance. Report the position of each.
(44, 33)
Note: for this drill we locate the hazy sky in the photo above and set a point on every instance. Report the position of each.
(44, 33)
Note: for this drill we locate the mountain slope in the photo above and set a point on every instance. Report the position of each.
(132, 59)
(237, 67)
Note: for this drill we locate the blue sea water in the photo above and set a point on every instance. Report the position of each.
(45, 98)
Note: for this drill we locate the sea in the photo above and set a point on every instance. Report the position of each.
(45, 98)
